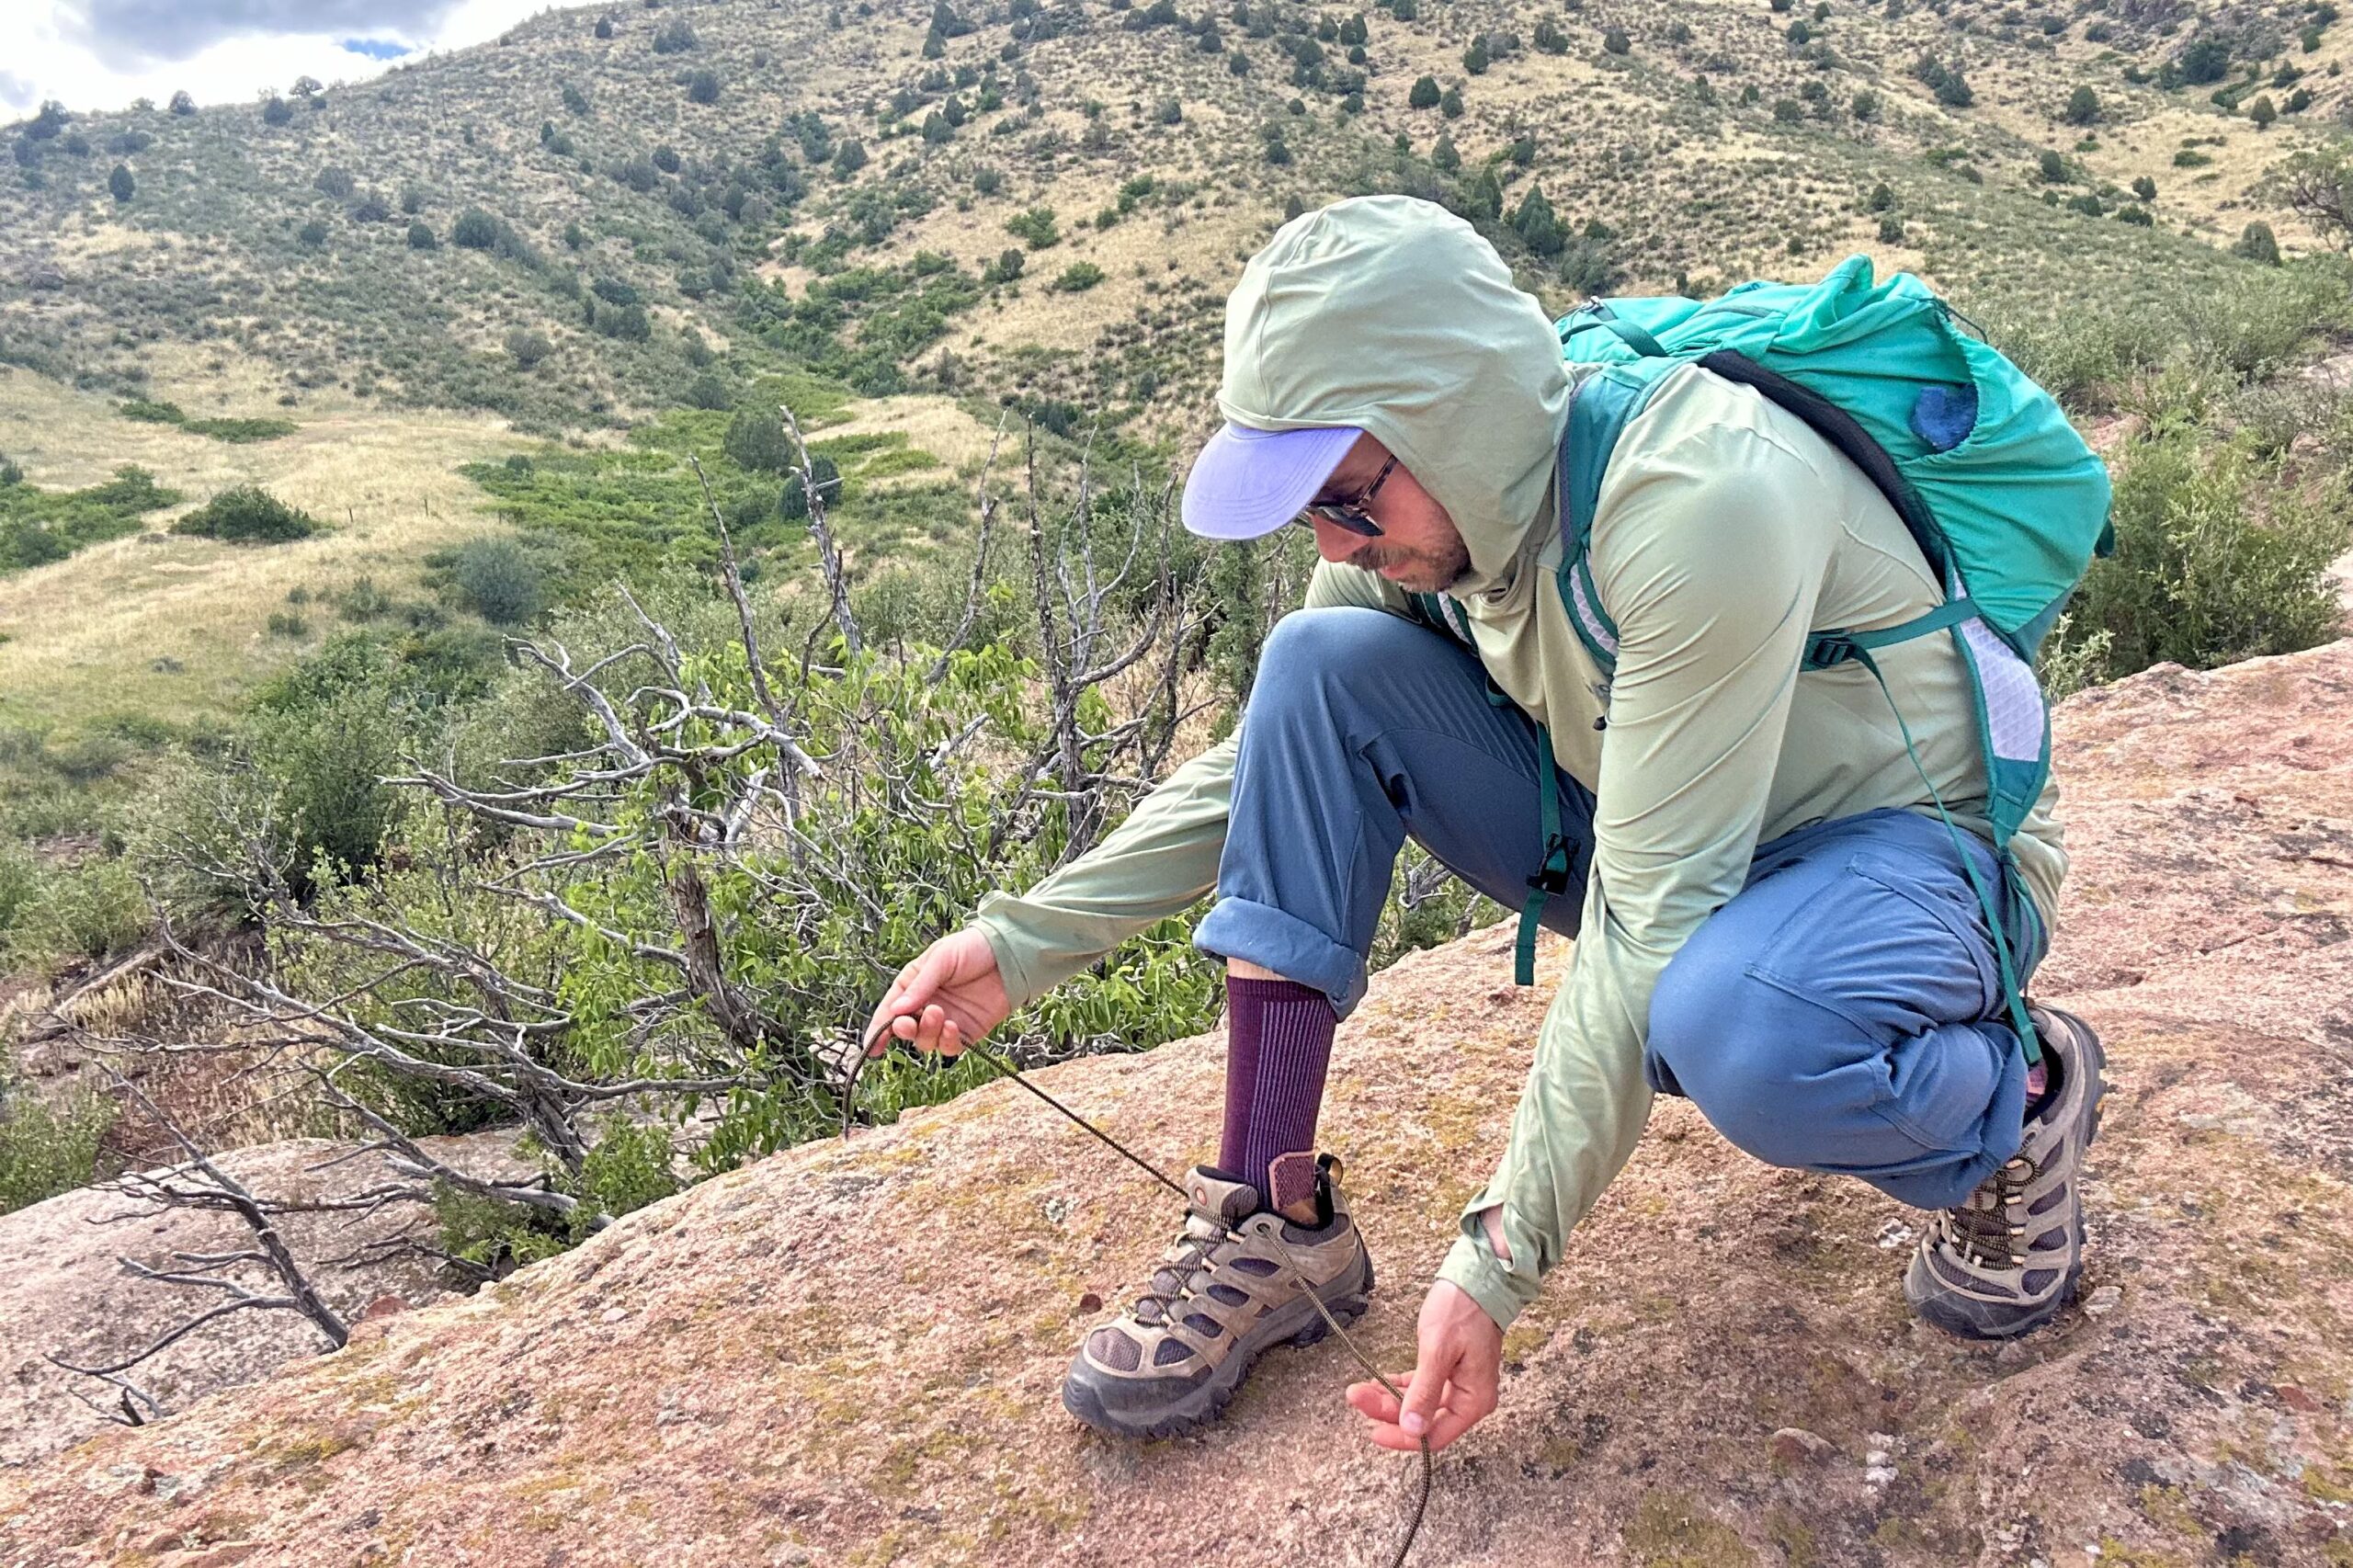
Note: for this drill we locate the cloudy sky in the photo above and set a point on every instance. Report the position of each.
(100, 54)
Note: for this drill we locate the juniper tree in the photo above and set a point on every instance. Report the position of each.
(1536, 223)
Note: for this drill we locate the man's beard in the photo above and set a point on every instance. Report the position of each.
(1417, 570)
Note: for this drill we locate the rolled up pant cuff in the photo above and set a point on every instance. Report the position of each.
(1262, 935)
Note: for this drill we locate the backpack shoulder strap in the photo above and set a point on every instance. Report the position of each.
(1598, 410)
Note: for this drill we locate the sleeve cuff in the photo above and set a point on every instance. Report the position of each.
(1475, 1269)
(1020, 985)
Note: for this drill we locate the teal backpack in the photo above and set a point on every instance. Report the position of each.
(2001, 496)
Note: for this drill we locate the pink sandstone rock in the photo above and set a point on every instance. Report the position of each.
(850, 1354)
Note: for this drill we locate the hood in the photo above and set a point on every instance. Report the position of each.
(1392, 314)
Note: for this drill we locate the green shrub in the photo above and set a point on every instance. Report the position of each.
(2205, 60)
(628, 1167)
(499, 581)
(1077, 278)
(1034, 227)
(92, 911)
(151, 413)
(239, 432)
(2257, 244)
(475, 229)
(2216, 560)
(793, 504)
(45, 1150)
(756, 442)
(247, 514)
(40, 526)
(322, 737)
(1946, 81)
(629, 322)
(527, 346)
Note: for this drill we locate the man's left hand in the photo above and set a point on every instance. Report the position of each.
(1459, 1354)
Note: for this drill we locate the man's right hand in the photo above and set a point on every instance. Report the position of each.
(951, 995)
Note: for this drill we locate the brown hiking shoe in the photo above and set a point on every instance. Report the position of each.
(2007, 1259)
(1222, 1292)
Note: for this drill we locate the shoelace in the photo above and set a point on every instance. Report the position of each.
(1192, 1253)
(1986, 1235)
(1008, 1070)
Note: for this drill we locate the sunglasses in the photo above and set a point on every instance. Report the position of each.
(1351, 515)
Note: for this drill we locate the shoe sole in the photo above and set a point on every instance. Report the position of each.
(1083, 1388)
(1970, 1318)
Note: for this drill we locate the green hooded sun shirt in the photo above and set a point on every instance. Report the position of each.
(1727, 530)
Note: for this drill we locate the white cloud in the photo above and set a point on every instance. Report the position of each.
(94, 54)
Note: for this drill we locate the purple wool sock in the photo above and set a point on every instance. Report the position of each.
(1278, 1043)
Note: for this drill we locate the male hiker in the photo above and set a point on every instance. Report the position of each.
(1772, 917)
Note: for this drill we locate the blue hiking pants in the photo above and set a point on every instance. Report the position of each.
(1840, 1014)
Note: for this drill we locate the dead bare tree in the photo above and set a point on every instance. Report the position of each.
(200, 1183)
(829, 555)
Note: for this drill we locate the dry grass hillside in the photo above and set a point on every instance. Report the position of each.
(259, 265)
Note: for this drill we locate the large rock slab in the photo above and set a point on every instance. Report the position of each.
(66, 1294)
(850, 1352)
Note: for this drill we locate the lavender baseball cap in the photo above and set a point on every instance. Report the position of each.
(1247, 482)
